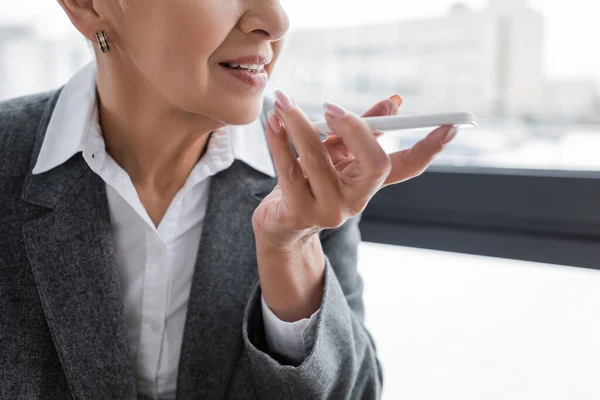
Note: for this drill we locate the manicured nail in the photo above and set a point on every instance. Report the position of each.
(333, 110)
(397, 99)
(283, 100)
(273, 121)
(450, 135)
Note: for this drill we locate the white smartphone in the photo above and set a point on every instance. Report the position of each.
(400, 122)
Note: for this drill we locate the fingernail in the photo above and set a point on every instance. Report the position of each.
(450, 135)
(397, 99)
(273, 121)
(333, 110)
(283, 100)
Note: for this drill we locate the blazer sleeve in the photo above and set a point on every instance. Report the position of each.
(343, 362)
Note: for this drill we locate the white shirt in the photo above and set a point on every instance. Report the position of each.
(156, 263)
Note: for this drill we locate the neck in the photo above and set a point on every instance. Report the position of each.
(156, 143)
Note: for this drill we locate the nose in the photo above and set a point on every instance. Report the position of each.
(266, 17)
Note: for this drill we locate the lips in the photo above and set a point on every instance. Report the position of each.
(253, 79)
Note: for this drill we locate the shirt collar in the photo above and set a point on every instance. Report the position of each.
(74, 117)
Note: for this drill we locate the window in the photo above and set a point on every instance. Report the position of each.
(531, 59)
(523, 184)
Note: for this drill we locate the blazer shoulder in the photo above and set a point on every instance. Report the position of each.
(20, 120)
(20, 103)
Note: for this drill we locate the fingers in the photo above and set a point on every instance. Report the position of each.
(384, 107)
(359, 139)
(410, 163)
(316, 162)
(290, 175)
(366, 170)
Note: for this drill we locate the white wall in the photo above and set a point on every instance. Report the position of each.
(43, 63)
(455, 326)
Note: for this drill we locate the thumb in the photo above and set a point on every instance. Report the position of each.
(408, 164)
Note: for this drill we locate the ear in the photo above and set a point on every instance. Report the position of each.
(83, 16)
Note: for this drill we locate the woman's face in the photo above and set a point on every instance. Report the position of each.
(179, 46)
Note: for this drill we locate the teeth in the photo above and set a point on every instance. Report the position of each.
(248, 67)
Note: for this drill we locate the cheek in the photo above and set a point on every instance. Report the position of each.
(172, 42)
(172, 47)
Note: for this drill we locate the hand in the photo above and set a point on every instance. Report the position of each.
(329, 183)
(334, 180)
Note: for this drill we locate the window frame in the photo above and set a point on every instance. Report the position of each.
(546, 216)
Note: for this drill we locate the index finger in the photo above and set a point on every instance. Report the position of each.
(305, 138)
(314, 157)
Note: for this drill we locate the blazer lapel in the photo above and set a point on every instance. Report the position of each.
(72, 257)
(225, 276)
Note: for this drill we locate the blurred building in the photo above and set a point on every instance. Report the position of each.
(30, 62)
(573, 100)
(489, 62)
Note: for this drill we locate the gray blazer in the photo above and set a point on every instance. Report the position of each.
(62, 329)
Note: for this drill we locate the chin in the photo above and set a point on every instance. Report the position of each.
(241, 111)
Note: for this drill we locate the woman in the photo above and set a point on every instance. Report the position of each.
(149, 245)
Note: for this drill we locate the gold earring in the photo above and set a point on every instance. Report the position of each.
(103, 41)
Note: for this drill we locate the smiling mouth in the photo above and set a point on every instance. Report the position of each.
(252, 68)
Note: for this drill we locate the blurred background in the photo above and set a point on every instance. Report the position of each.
(490, 302)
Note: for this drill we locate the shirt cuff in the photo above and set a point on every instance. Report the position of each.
(293, 340)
